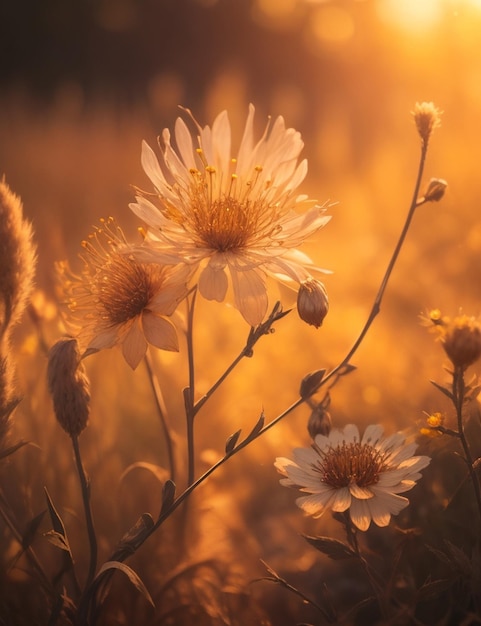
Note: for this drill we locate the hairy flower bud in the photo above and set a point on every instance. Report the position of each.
(312, 302)
(69, 386)
(427, 117)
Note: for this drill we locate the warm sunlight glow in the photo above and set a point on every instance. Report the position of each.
(410, 14)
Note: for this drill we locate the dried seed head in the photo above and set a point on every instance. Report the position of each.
(312, 302)
(17, 259)
(427, 117)
(69, 386)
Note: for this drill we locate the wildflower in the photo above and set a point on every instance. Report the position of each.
(69, 386)
(343, 472)
(312, 302)
(118, 300)
(433, 422)
(427, 117)
(234, 219)
(460, 337)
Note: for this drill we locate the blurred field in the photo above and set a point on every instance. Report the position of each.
(347, 75)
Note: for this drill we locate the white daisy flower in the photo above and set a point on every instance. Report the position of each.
(341, 471)
(119, 301)
(237, 218)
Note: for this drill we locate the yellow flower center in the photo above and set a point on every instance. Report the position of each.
(232, 221)
(124, 288)
(351, 463)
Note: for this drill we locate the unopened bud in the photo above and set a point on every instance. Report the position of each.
(320, 422)
(435, 190)
(462, 343)
(312, 302)
(427, 117)
(69, 386)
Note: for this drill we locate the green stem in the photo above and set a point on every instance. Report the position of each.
(159, 400)
(85, 487)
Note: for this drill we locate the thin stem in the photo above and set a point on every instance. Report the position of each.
(459, 390)
(189, 393)
(352, 538)
(159, 401)
(331, 376)
(85, 487)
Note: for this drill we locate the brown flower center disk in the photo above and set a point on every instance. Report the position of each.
(351, 463)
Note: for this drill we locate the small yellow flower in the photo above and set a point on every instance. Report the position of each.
(433, 422)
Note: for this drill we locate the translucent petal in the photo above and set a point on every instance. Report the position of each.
(360, 514)
(341, 500)
(372, 434)
(134, 345)
(315, 504)
(159, 332)
(362, 493)
(213, 283)
(183, 138)
(250, 295)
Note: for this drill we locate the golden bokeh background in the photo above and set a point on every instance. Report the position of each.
(83, 84)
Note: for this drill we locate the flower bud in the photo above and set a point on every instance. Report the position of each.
(462, 342)
(320, 422)
(69, 386)
(312, 302)
(435, 190)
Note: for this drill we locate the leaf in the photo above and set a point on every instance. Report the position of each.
(333, 548)
(231, 442)
(434, 589)
(257, 428)
(57, 540)
(160, 473)
(442, 389)
(12, 449)
(57, 522)
(310, 383)
(131, 575)
(31, 530)
(58, 525)
(134, 537)
(168, 494)
(346, 369)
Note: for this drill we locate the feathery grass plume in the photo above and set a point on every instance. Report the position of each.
(17, 270)
(69, 386)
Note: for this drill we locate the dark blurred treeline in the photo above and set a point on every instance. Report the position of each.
(113, 48)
